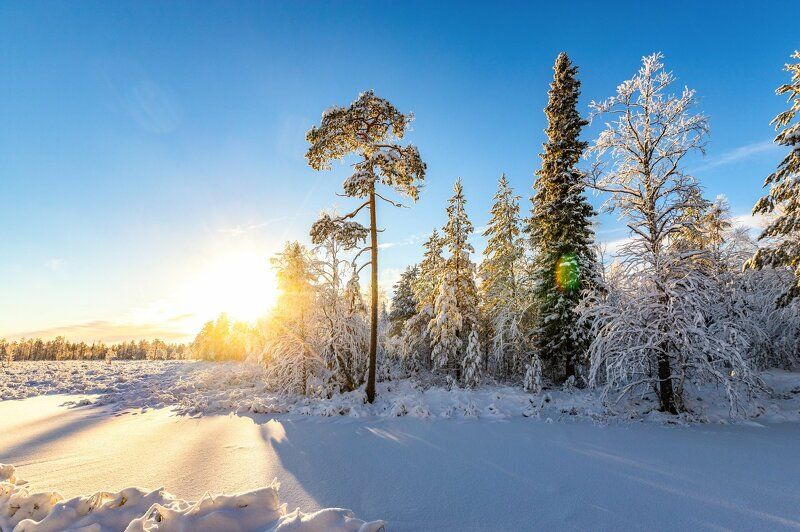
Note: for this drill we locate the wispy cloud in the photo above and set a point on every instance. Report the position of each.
(112, 331)
(612, 247)
(153, 107)
(240, 230)
(407, 241)
(755, 223)
(54, 264)
(739, 154)
(387, 279)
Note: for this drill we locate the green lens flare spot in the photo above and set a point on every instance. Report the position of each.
(568, 273)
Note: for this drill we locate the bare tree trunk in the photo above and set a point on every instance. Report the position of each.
(373, 332)
(665, 393)
(569, 366)
(666, 397)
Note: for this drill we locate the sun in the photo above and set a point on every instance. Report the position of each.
(240, 284)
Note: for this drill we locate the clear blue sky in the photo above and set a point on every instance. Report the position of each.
(143, 144)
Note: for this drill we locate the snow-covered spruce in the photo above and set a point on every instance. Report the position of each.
(560, 231)
(456, 309)
(135, 509)
(782, 235)
(502, 289)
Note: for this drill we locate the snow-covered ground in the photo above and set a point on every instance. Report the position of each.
(196, 388)
(482, 469)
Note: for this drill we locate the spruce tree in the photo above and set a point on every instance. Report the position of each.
(445, 329)
(404, 304)
(501, 273)
(560, 229)
(472, 364)
(426, 285)
(456, 310)
(782, 235)
(415, 342)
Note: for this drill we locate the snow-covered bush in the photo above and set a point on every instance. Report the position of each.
(649, 329)
(773, 329)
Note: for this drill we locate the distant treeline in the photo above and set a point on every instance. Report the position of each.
(224, 339)
(60, 349)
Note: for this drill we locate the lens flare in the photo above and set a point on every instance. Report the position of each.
(568, 273)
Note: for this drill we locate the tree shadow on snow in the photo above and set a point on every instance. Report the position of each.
(526, 474)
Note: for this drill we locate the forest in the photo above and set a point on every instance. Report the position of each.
(689, 298)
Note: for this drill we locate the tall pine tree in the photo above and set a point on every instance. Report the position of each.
(501, 273)
(560, 229)
(456, 312)
(783, 201)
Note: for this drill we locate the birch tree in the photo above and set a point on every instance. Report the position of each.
(652, 331)
(293, 354)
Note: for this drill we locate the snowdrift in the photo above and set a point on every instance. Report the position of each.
(134, 510)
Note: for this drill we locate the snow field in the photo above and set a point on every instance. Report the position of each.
(196, 388)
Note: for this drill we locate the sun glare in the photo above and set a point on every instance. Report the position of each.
(240, 284)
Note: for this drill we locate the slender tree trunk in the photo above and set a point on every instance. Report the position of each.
(666, 397)
(569, 366)
(665, 393)
(373, 332)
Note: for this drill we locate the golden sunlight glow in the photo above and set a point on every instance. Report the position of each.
(241, 284)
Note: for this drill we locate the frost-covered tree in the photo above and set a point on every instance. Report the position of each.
(404, 303)
(773, 330)
(782, 236)
(445, 329)
(426, 285)
(747, 298)
(560, 230)
(532, 381)
(6, 352)
(369, 128)
(456, 308)
(653, 328)
(472, 365)
(338, 298)
(502, 290)
(293, 354)
(414, 343)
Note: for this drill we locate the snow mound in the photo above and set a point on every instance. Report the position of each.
(136, 510)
